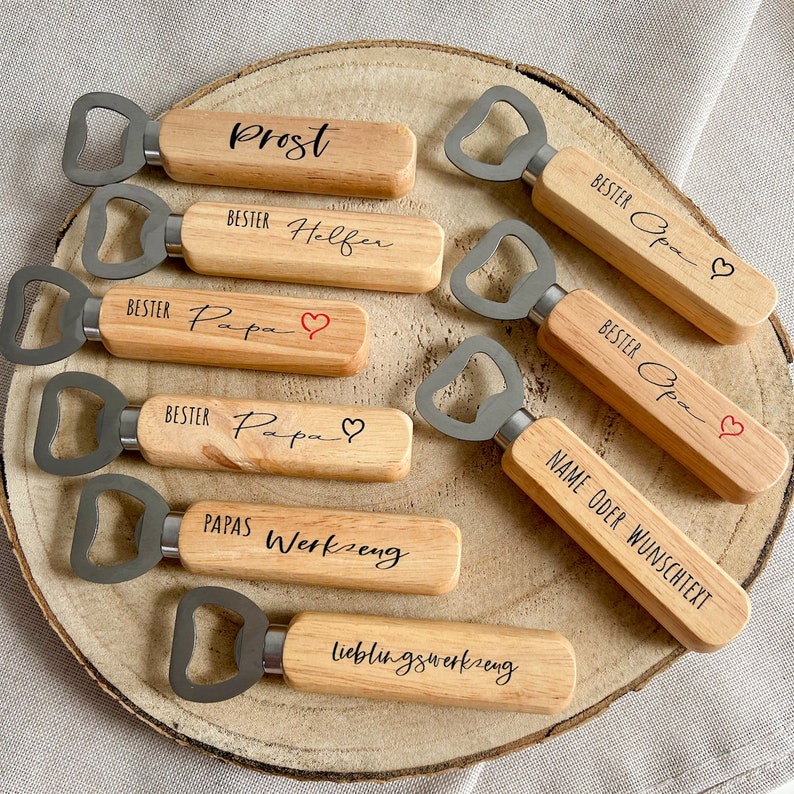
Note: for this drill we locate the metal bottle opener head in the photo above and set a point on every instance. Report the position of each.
(153, 535)
(527, 154)
(534, 295)
(153, 232)
(139, 142)
(258, 648)
(115, 426)
(501, 416)
(75, 320)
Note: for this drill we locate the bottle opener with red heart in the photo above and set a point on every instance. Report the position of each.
(644, 552)
(188, 326)
(716, 440)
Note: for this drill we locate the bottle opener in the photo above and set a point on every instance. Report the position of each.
(361, 443)
(340, 249)
(686, 591)
(711, 436)
(386, 552)
(427, 661)
(674, 260)
(324, 155)
(188, 326)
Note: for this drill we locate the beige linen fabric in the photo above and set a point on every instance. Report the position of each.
(704, 88)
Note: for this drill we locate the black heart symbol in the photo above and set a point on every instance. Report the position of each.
(719, 267)
(352, 427)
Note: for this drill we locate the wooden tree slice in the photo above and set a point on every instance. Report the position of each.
(518, 567)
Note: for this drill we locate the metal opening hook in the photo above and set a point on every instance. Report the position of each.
(109, 443)
(148, 535)
(529, 152)
(153, 232)
(494, 411)
(528, 291)
(248, 652)
(139, 143)
(70, 319)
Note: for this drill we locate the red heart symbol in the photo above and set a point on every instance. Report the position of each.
(314, 323)
(731, 427)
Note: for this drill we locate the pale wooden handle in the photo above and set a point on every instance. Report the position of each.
(392, 253)
(300, 335)
(450, 664)
(329, 156)
(686, 591)
(716, 440)
(671, 258)
(387, 552)
(367, 444)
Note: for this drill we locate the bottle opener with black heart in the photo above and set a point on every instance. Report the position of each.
(361, 250)
(667, 255)
(323, 155)
(468, 665)
(360, 443)
(686, 591)
(306, 336)
(386, 552)
(717, 441)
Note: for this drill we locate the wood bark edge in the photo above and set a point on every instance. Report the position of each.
(638, 683)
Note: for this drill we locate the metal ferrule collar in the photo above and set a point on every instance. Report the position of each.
(273, 653)
(128, 427)
(173, 235)
(546, 303)
(91, 318)
(151, 143)
(169, 539)
(513, 428)
(536, 165)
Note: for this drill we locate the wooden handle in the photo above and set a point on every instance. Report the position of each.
(674, 260)
(387, 552)
(393, 253)
(329, 156)
(716, 440)
(450, 664)
(301, 440)
(226, 329)
(686, 591)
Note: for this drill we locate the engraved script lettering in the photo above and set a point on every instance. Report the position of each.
(209, 314)
(656, 225)
(665, 378)
(293, 146)
(404, 662)
(386, 557)
(255, 420)
(342, 237)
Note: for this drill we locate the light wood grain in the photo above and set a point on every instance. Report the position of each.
(714, 438)
(518, 568)
(686, 591)
(682, 265)
(386, 552)
(342, 442)
(301, 335)
(361, 250)
(347, 158)
(450, 664)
